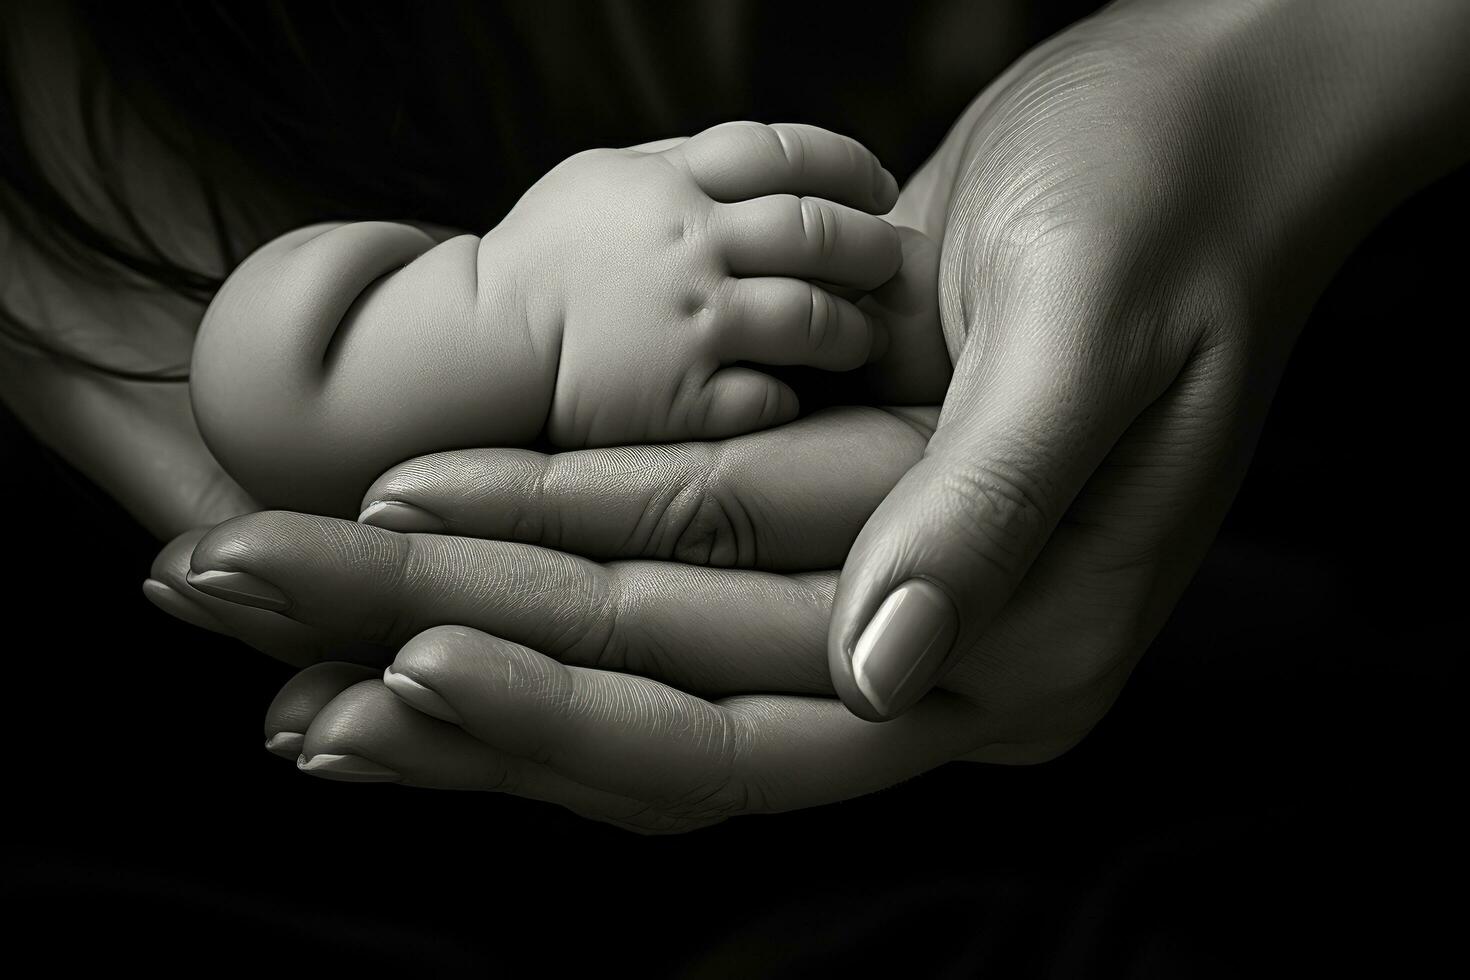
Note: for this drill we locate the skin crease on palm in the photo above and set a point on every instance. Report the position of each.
(616, 303)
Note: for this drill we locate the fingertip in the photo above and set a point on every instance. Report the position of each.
(788, 406)
(287, 745)
(352, 717)
(232, 542)
(299, 701)
(783, 407)
(740, 400)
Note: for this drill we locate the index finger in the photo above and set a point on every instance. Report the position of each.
(741, 160)
(785, 499)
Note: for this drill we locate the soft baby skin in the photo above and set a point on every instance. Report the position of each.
(617, 302)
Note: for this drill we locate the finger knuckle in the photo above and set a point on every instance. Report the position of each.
(722, 793)
(1000, 513)
(686, 532)
(594, 632)
(821, 316)
(670, 509)
(818, 226)
(538, 518)
(697, 520)
(396, 572)
(701, 534)
(791, 145)
(764, 141)
(720, 535)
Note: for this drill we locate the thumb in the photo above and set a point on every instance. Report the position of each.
(1021, 432)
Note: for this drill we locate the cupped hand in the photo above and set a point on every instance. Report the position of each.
(657, 694)
(1125, 264)
(1134, 226)
(648, 685)
(602, 734)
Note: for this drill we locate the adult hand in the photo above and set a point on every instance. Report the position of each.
(627, 747)
(1055, 652)
(788, 499)
(628, 691)
(557, 685)
(1136, 219)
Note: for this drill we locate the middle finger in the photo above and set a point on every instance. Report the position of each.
(783, 499)
(707, 631)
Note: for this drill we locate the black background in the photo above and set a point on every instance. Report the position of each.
(1270, 795)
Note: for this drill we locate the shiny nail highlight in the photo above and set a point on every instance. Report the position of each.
(346, 768)
(395, 515)
(241, 588)
(898, 656)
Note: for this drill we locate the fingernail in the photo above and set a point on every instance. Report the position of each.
(420, 697)
(241, 588)
(287, 745)
(395, 515)
(905, 643)
(346, 768)
(179, 606)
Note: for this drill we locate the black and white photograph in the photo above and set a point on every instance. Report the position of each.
(733, 489)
